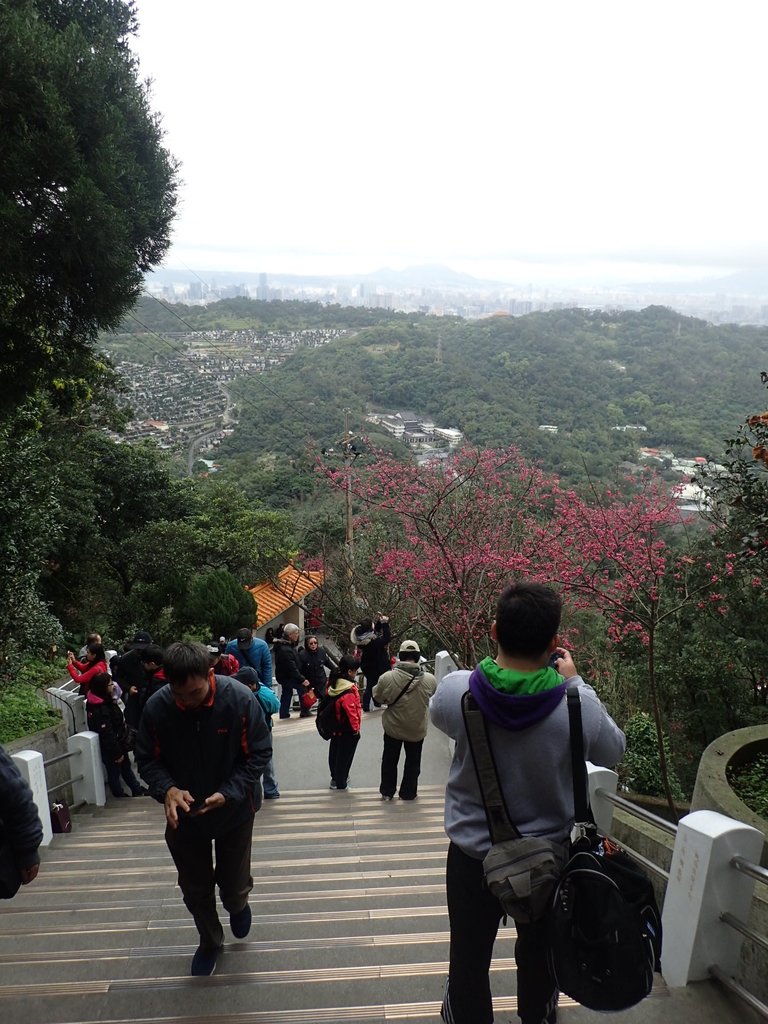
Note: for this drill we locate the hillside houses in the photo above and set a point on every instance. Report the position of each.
(182, 394)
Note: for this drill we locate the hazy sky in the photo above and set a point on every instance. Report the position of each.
(518, 139)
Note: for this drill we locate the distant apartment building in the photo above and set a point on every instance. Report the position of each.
(414, 430)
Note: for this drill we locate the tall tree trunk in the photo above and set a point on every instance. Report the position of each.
(657, 717)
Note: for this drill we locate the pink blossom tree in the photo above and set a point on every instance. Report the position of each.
(452, 533)
(446, 537)
(613, 555)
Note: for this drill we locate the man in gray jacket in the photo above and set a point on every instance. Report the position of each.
(405, 690)
(522, 698)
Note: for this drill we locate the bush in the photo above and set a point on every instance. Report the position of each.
(23, 711)
(639, 768)
(750, 783)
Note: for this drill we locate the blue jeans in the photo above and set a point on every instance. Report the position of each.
(268, 780)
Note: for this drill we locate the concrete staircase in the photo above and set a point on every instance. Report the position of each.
(349, 924)
(349, 920)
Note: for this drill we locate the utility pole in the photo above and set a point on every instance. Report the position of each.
(349, 537)
(348, 448)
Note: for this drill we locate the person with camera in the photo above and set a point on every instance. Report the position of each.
(371, 637)
(522, 698)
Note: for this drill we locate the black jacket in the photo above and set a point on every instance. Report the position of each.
(374, 656)
(106, 719)
(128, 670)
(288, 668)
(313, 665)
(221, 747)
(19, 820)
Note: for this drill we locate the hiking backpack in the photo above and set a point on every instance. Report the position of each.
(605, 930)
(326, 721)
(604, 923)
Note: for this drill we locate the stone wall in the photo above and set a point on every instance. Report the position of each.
(713, 791)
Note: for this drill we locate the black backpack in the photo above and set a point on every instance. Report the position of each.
(604, 924)
(605, 931)
(326, 722)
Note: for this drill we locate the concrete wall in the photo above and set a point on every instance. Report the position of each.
(713, 791)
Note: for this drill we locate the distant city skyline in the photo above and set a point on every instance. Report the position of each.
(528, 143)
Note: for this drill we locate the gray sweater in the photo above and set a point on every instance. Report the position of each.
(534, 766)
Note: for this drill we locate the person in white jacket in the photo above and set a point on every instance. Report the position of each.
(522, 698)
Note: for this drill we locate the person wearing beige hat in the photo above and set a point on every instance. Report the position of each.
(406, 690)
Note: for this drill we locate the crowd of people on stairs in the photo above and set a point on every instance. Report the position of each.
(198, 718)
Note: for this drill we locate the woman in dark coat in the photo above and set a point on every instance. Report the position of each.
(372, 637)
(314, 661)
(106, 719)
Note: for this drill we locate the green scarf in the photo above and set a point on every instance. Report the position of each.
(509, 680)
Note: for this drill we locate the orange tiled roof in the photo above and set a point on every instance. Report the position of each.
(292, 586)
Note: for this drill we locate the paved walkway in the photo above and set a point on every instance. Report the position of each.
(349, 915)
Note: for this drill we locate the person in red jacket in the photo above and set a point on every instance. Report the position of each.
(84, 671)
(342, 689)
(223, 664)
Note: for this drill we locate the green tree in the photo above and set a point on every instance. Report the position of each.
(218, 604)
(87, 191)
(640, 764)
(29, 521)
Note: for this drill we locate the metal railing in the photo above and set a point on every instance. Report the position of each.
(60, 703)
(67, 782)
(643, 815)
(759, 874)
(738, 863)
(638, 811)
(87, 786)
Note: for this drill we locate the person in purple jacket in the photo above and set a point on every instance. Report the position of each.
(522, 698)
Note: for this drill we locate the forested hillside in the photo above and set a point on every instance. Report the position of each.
(498, 379)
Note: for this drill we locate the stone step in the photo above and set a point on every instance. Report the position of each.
(343, 917)
(239, 985)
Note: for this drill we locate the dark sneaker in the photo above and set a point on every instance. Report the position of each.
(271, 796)
(240, 923)
(204, 961)
(332, 785)
(386, 796)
